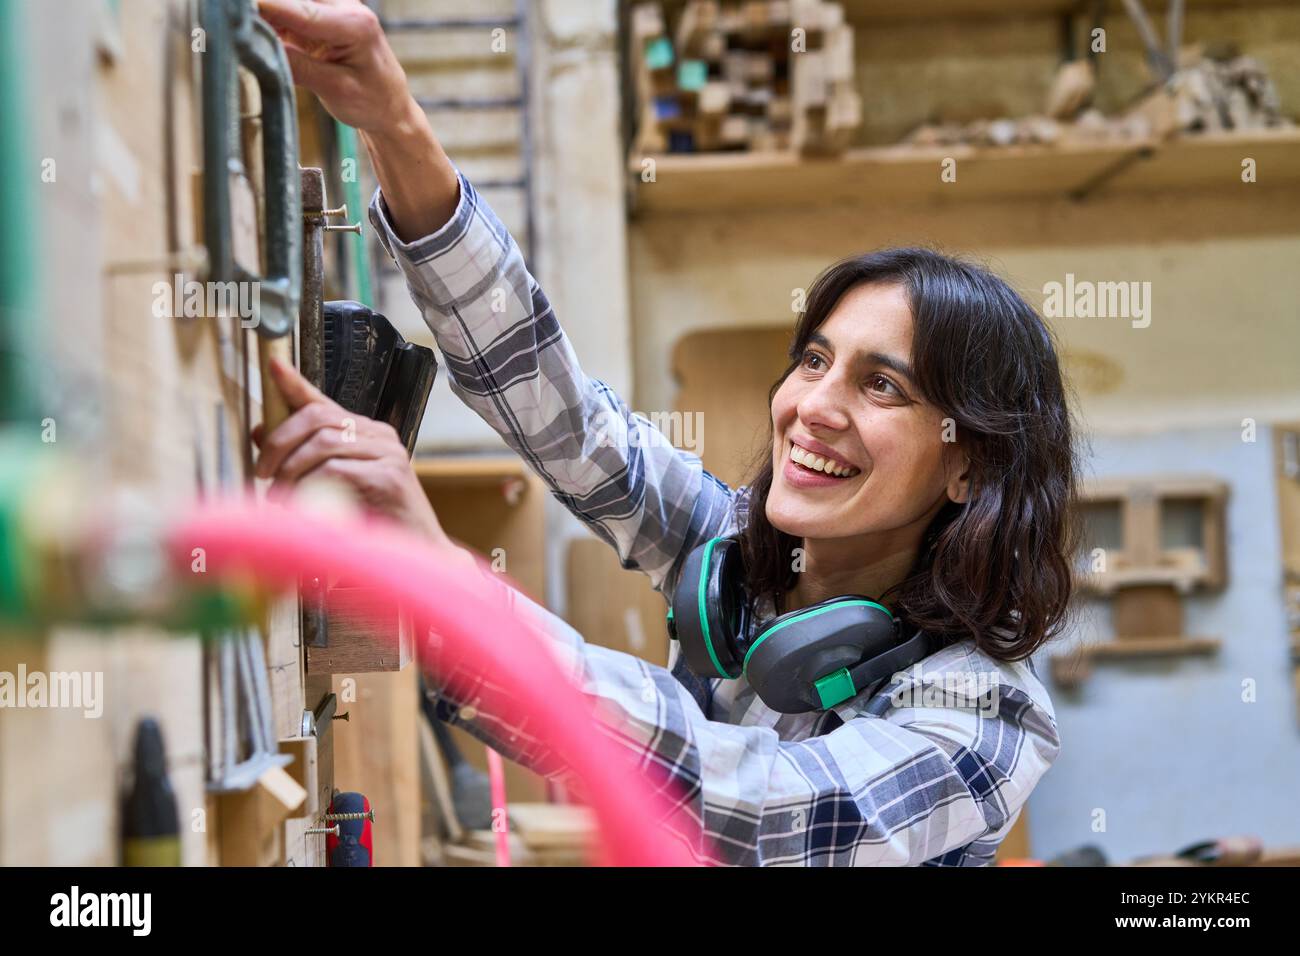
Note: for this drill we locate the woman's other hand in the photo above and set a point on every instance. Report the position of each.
(322, 439)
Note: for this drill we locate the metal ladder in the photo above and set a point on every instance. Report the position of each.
(518, 24)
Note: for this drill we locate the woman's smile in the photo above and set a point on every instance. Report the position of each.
(809, 464)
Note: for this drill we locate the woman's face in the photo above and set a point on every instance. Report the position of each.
(852, 403)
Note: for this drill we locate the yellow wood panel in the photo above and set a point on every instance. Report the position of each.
(376, 753)
(612, 606)
(724, 376)
(491, 506)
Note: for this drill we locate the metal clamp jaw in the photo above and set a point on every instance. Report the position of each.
(237, 37)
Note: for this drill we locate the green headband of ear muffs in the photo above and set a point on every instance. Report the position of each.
(810, 659)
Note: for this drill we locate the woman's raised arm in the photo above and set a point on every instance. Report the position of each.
(509, 360)
(506, 355)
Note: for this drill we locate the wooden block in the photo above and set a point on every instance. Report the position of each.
(647, 19)
(1071, 89)
(692, 74)
(1147, 611)
(305, 772)
(1160, 111)
(735, 69)
(809, 80)
(364, 635)
(715, 97)
(659, 53)
(546, 826)
(251, 819)
(838, 51)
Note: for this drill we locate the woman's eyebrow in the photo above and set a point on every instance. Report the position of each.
(869, 358)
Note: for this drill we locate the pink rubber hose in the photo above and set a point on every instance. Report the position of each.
(277, 545)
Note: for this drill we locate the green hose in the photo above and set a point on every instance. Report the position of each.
(352, 196)
(19, 182)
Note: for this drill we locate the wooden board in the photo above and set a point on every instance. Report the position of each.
(376, 752)
(612, 606)
(1288, 494)
(724, 376)
(871, 175)
(491, 505)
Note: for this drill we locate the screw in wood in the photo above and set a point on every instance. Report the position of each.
(331, 831)
(368, 815)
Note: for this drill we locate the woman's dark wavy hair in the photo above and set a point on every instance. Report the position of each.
(997, 569)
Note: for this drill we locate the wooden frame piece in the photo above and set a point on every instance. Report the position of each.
(1141, 558)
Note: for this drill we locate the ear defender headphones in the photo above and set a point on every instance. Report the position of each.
(806, 660)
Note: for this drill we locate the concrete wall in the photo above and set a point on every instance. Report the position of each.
(1170, 750)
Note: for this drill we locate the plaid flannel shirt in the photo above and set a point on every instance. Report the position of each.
(929, 768)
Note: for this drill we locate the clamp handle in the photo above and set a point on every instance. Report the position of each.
(237, 37)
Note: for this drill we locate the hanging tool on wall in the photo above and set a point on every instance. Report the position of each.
(368, 368)
(248, 746)
(371, 370)
(237, 37)
(151, 827)
(311, 353)
(351, 841)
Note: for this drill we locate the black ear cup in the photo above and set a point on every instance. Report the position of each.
(803, 660)
(709, 613)
(810, 659)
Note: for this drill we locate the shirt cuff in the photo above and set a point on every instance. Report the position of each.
(426, 247)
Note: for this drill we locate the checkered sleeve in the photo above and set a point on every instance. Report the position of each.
(509, 360)
(904, 780)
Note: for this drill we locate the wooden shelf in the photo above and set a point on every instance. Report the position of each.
(1129, 648)
(469, 469)
(884, 11)
(1073, 668)
(1183, 580)
(712, 182)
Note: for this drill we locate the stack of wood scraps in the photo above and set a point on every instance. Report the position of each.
(759, 76)
(1212, 90)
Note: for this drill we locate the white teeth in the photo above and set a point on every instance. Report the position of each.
(817, 463)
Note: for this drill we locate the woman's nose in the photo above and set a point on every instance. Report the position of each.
(824, 405)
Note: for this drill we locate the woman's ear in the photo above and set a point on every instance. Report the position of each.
(959, 484)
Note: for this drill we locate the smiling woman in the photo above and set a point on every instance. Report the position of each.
(912, 511)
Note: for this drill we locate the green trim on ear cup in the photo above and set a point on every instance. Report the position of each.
(803, 617)
(835, 688)
(705, 565)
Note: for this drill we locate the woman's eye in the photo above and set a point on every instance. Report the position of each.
(883, 383)
(809, 357)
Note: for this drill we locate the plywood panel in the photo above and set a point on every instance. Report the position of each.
(612, 606)
(376, 753)
(724, 376)
(491, 506)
